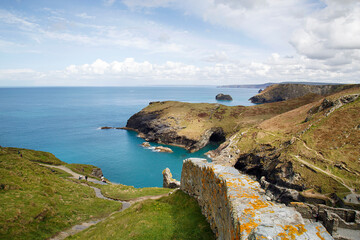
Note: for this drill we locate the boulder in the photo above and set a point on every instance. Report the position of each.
(97, 172)
(163, 149)
(168, 181)
(145, 144)
(223, 97)
(105, 128)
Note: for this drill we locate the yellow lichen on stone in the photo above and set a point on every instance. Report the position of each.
(318, 233)
(290, 232)
(258, 204)
(248, 226)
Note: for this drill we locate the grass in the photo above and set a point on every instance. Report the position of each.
(331, 140)
(177, 216)
(36, 156)
(123, 192)
(193, 119)
(36, 202)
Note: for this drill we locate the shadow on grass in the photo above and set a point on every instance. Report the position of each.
(189, 223)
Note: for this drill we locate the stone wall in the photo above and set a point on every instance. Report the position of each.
(237, 208)
(332, 218)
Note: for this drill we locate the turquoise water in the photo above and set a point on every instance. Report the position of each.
(66, 121)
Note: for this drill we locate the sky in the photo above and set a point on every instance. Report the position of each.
(178, 42)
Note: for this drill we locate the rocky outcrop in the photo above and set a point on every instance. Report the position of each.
(282, 92)
(145, 144)
(107, 128)
(168, 181)
(97, 172)
(276, 172)
(237, 208)
(223, 97)
(329, 105)
(163, 149)
(153, 128)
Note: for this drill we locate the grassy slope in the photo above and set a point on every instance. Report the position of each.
(36, 203)
(330, 141)
(177, 216)
(193, 119)
(289, 91)
(123, 192)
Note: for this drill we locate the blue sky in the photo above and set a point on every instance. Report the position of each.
(171, 42)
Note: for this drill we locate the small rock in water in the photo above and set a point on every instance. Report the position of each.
(223, 97)
(163, 149)
(168, 181)
(106, 128)
(145, 144)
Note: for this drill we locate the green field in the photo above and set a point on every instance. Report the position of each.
(37, 202)
(177, 216)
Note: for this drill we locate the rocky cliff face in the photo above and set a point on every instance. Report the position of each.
(282, 92)
(289, 146)
(156, 126)
(312, 147)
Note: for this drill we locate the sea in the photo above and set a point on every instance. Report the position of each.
(66, 121)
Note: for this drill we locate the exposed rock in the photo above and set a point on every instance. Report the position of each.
(237, 208)
(145, 144)
(152, 127)
(281, 92)
(97, 172)
(267, 162)
(223, 97)
(215, 135)
(168, 181)
(331, 105)
(163, 149)
(280, 194)
(105, 128)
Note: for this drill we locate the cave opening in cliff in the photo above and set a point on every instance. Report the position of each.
(217, 137)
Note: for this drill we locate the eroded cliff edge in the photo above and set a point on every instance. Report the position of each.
(303, 149)
(282, 92)
(194, 125)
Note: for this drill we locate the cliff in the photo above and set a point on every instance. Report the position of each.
(314, 147)
(194, 125)
(290, 147)
(282, 92)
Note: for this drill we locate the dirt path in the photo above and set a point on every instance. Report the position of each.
(80, 227)
(336, 178)
(74, 174)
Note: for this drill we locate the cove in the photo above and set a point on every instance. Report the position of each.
(66, 120)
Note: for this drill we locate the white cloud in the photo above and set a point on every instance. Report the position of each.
(12, 19)
(147, 4)
(84, 16)
(219, 56)
(332, 34)
(109, 2)
(130, 72)
(267, 21)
